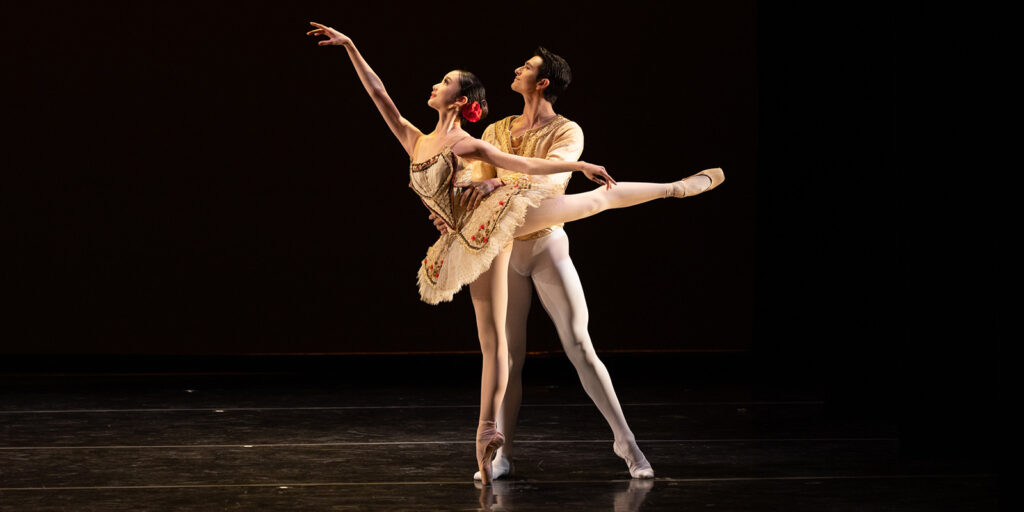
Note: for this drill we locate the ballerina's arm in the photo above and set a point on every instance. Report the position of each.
(404, 131)
(476, 149)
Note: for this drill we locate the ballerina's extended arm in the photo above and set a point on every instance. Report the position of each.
(404, 131)
(476, 149)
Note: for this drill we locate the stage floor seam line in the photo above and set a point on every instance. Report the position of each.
(344, 407)
(511, 482)
(393, 443)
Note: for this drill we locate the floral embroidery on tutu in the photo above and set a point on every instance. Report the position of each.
(475, 236)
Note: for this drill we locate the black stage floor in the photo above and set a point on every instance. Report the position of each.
(381, 436)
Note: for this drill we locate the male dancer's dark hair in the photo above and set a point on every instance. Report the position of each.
(556, 70)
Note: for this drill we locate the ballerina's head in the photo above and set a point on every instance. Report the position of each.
(462, 92)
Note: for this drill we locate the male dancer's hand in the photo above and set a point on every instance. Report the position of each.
(476, 191)
(333, 36)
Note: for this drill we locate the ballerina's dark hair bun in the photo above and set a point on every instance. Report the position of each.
(473, 89)
(483, 107)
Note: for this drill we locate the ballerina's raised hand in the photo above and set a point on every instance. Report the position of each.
(333, 36)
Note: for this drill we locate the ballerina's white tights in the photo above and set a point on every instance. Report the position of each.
(570, 207)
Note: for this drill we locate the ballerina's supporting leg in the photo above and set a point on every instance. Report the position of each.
(570, 207)
(490, 299)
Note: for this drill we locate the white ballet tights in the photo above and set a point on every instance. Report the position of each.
(544, 263)
(570, 207)
(563, 299)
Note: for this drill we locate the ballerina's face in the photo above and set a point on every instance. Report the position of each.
(445, 94)
(526, 75)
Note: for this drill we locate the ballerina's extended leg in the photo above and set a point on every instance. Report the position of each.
(700, 182)
(570, 207)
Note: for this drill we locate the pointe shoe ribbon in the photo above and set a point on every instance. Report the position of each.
(488, 440)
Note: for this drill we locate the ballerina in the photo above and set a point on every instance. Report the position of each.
(475, 249)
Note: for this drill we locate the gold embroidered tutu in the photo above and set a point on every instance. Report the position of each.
(474, 236)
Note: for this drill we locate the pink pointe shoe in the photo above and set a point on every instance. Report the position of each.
(488, 440)
(698, 183)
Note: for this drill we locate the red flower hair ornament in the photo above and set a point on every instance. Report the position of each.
(472, 111)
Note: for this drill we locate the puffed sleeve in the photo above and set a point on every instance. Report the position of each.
(568, 143)
(566, 146)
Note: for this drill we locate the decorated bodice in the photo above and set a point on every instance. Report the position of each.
(433, 181)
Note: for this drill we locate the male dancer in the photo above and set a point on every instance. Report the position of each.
(541, 260)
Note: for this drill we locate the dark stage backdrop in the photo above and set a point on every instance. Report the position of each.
(203, 178)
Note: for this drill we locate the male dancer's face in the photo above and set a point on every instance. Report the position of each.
(526, 76)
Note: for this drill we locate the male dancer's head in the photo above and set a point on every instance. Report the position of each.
(543, 77)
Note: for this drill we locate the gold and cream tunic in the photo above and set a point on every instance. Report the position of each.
(560, 139)
(474, 236)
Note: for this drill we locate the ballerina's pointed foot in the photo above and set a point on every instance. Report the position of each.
(698, 183)
(488, 440)
(501, 466)
(635, 460)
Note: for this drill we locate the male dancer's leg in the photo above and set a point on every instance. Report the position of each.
(547, 262)
(520, 294)
(561, 293)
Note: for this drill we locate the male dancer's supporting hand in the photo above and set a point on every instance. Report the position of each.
(475, 191)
